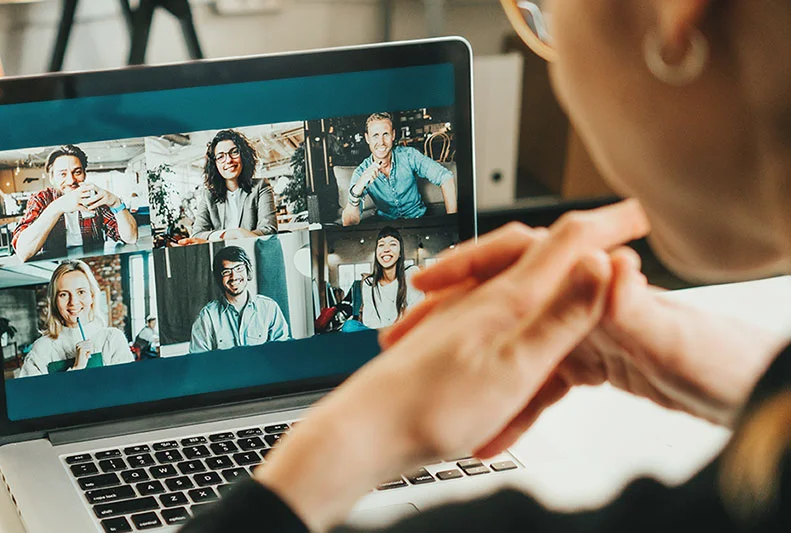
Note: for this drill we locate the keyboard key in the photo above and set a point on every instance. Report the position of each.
(234, 473)
(469, 463)
(217, 437)
(264, 452)
(276, 428)
(196, 452)
(107, 454)
(192, 441)
(253, 443)
(420, 477)
(246, 458)
(139, 461)
(392, 484)
(137, 450)
(146, 520)
(179, 483)
(252, 432)
(150, 487)
(224, 489)
(81, 458)
(169, 456)
(205, 494)
(449, 474)
(206, 479)
(122, 492)
(191, 467)
(217, 463)
(476, 470)
(106, 510)
(177, 515)
(222, 448)
(99, 482)
(173, 499)
(197, 508)
(272, 439)
(163, 471)
(500, 466)
(112, 465)
(165, 445)
(85, 469)
(135, 476)
(116, 525)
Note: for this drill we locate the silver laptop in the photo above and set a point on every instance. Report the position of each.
(193, 254)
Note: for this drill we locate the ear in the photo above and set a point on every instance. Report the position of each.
(676, 18)
(366, 137)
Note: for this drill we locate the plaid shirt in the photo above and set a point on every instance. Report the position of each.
(93, 229)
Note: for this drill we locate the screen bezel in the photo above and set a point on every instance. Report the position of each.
(61, 86)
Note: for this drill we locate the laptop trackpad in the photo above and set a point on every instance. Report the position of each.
(381, 516)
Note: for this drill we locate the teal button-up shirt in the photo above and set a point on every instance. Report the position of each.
(398, 196)
(220, 326)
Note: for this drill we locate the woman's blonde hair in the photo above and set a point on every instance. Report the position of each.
(53, 321)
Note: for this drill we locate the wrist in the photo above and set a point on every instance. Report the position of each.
(117, 208)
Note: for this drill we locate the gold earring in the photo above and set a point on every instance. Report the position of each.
(683, 72)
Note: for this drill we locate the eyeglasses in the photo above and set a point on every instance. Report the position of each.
(238, 269)
(222, 157)
(531, 22)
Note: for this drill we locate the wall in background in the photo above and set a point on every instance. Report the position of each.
(99, 39)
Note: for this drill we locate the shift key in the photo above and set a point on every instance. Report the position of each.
(107, 510)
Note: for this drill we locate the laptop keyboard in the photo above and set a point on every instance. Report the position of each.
(151, 485)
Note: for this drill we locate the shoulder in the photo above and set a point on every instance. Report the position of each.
(45, 343)
(260, 188)
(411, 270)
(408, 151)
(363, 166)
(44, 196)
(261, 301)
(210, 308)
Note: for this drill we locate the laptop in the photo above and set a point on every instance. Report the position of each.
(193, 264)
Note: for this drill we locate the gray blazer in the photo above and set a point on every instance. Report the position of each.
(258, 212)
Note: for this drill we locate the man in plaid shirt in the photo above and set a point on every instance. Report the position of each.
(71, 212)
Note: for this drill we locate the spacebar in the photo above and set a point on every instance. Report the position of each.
(125, 507)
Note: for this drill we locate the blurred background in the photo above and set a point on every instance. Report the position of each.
(530, 165)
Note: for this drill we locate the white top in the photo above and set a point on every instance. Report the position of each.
(109, 341)
(385, 312)
(73, 233)
(233, 212)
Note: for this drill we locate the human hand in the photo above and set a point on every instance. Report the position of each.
(459, 376)
(94, 197)
(191, 240)
(84, 351)
(368, 175)
(70, 201)
(237, 233)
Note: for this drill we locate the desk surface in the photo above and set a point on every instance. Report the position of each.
(572, 460)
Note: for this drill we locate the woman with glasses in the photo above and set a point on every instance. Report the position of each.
(684, 105)
(233, 205)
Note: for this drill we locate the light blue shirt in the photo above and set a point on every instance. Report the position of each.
(398, 196)
(220, 326)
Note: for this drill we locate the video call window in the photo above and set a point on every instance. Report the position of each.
(245, 292)
(76, 316)
(226, 184)
(381, 166)
(72, 201)
(368, 270)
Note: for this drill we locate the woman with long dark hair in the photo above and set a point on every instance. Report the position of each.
(387, 292)
(233, 205)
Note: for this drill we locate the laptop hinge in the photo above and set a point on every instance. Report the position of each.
(182, 418)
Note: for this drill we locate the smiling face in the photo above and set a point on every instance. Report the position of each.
(228, 160)
(67, 173)
(380, 136)
(388, 251)
(73, 298)
(234, 278)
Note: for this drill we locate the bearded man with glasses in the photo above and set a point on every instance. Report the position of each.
(236, 318)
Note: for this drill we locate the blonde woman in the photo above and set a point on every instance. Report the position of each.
(73, 331)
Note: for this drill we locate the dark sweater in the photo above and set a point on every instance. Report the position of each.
(644, 506)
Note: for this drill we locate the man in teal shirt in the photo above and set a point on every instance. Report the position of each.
(237, 318)
(390, 175)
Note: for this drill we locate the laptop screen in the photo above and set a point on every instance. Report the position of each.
(197, 241)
